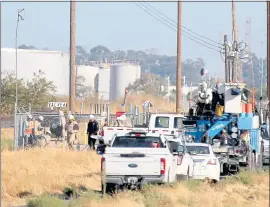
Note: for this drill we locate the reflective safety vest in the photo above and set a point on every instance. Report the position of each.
(29, 127)
(36, 127)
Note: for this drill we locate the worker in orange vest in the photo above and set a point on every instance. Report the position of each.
(28, 126)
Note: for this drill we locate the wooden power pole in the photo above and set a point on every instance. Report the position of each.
(178, 71)
(234, 29)
(268, 50)
(72, 79)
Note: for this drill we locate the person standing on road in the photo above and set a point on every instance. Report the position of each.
(92, 129)
(72, 128)
(28, 126)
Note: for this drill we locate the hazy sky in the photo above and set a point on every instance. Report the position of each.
(126, 26)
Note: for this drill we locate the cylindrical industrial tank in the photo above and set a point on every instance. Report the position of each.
(104, 84)
(89, 73)
(121, 75)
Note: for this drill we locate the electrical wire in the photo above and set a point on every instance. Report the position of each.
(181, 29)
(182, 25)
(176, 30)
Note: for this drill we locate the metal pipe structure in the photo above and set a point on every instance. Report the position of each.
(179, 60)
(72, 80)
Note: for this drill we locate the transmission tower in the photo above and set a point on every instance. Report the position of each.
(248, 42)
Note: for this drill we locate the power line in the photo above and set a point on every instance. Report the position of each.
(181, 29)
(176, 30)
(182, 25)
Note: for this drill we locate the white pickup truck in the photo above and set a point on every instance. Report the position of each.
(167, 124)
(137, 158)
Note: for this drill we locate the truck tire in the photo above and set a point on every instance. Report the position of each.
(111, 188)
(183, 177)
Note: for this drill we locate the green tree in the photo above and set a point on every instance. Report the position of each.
(37, 92)
(81, 89)
(149, 84)
(40, 91)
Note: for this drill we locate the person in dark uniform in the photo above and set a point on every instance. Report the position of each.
(92, 129)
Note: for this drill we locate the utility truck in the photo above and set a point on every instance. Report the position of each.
(138, 158)
(166, 124)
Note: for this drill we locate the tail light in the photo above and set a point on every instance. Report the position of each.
(162, 166)
(102, 164)
(237, 151)
(102, 133)
(179, 159)
(212, 162)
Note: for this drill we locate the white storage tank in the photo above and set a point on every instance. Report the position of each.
(103, 84)
(122, 75)
(54, 64)
(89, 73)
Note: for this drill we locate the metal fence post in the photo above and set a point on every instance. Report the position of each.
(15, 128)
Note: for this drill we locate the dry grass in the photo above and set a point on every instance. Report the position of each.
(38, 171)
(46, 171)
(7, 133)
(231, 193)
(136, 99)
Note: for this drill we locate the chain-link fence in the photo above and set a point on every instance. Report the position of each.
(53, 125)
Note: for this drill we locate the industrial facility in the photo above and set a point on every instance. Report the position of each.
(54, 64)
(107, 80)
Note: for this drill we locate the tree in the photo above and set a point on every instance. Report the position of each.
(81, 89)
(25, 47)
(37, 92)
(149, 84)
(40, 91)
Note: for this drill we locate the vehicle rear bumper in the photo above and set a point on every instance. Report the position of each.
(203, 177)
(122, 180)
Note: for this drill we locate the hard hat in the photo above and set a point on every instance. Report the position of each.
(41, 118)
(29, 116)
(71, 117)
(91, 116)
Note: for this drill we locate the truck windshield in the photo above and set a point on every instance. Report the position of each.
(202, 150)
(138, 142)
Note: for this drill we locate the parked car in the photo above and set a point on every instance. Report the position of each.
(206, 164)
(185, 163)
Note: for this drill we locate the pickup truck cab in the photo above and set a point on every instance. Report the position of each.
(137, 158)
(167, 124)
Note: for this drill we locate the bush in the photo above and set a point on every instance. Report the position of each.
(46, 201)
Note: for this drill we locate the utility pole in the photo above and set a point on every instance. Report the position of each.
(178, 71)
(268, 50)
(248, 41)
(72, 75)
(0, 72)
(234, 30)
(227, 74)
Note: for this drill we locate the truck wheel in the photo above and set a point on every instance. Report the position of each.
(183, 177)
(111, 188)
